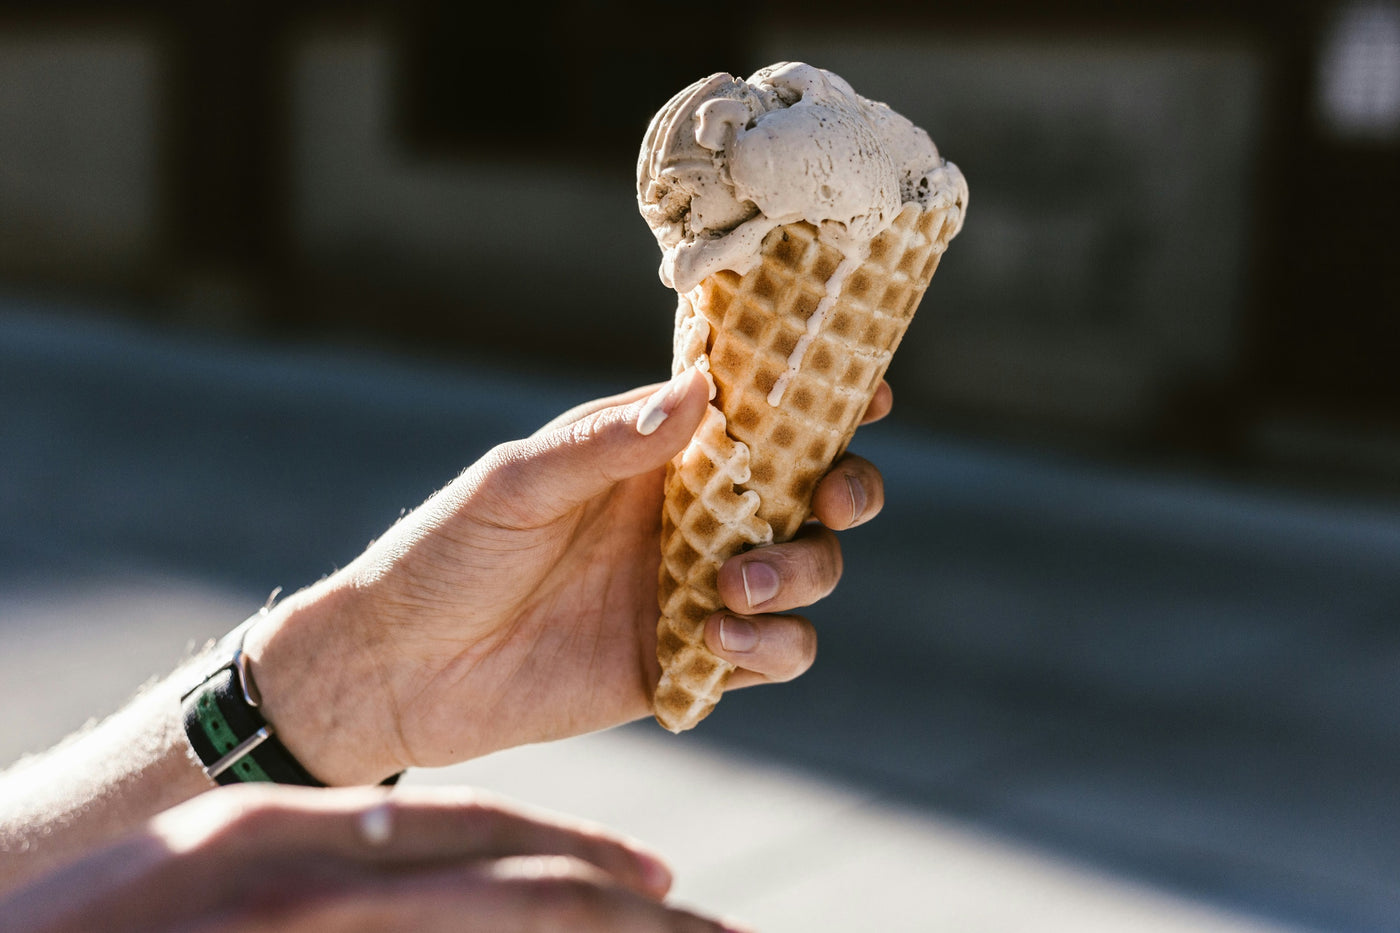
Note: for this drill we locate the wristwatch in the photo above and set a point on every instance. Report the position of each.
(224, 726)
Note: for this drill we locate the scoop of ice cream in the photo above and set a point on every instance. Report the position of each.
(727, 160)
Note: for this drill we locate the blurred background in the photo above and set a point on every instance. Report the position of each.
(1122, 653)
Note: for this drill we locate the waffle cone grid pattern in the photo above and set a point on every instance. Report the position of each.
(748, 476)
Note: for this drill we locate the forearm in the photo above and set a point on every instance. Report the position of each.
(96, 785)
(110, 778)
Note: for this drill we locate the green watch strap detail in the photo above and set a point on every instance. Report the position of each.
(216, 729)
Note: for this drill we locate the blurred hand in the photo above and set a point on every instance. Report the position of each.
(355, 860)
(518, 604)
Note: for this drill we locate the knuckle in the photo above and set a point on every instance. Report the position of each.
(825, 565)
(803, 640)
(498, 484)
(495, 470)
(580, 433)
(488, 482)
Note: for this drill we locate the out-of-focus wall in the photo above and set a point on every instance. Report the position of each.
(544, 257)
(79, 155)
(1176, 243)
(1103, 263)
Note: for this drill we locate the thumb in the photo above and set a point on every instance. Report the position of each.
(566, 465)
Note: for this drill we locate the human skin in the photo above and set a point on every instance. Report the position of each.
(517, 605)
(357, 860)
(552, 633)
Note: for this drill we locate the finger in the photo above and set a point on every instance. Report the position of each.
(768, 649)
(579, 412)
(880, 403)
(492, 828)
(851, 493)
(426, 825)
(544, 476)
(512, 895)
(564, 894)
(779, 577)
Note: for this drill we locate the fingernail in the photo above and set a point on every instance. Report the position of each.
(856, 489)
(734, 926)
(663, 401)
(737, 635)
(760, 583)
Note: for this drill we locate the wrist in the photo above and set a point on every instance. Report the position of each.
(321, 689)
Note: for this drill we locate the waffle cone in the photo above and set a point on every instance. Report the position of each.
(774, 429)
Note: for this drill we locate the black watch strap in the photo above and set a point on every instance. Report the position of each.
(231, 738)
(227, 731)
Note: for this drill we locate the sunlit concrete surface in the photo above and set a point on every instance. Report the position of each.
(1052, 694)
(77, 647)
(787, 851)
(748, 836)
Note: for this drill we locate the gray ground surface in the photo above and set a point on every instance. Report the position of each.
(1051, 694)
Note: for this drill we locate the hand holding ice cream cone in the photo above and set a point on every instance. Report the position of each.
(517, 604)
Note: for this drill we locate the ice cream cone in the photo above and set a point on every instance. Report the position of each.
(799, 224)
(795, 348)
